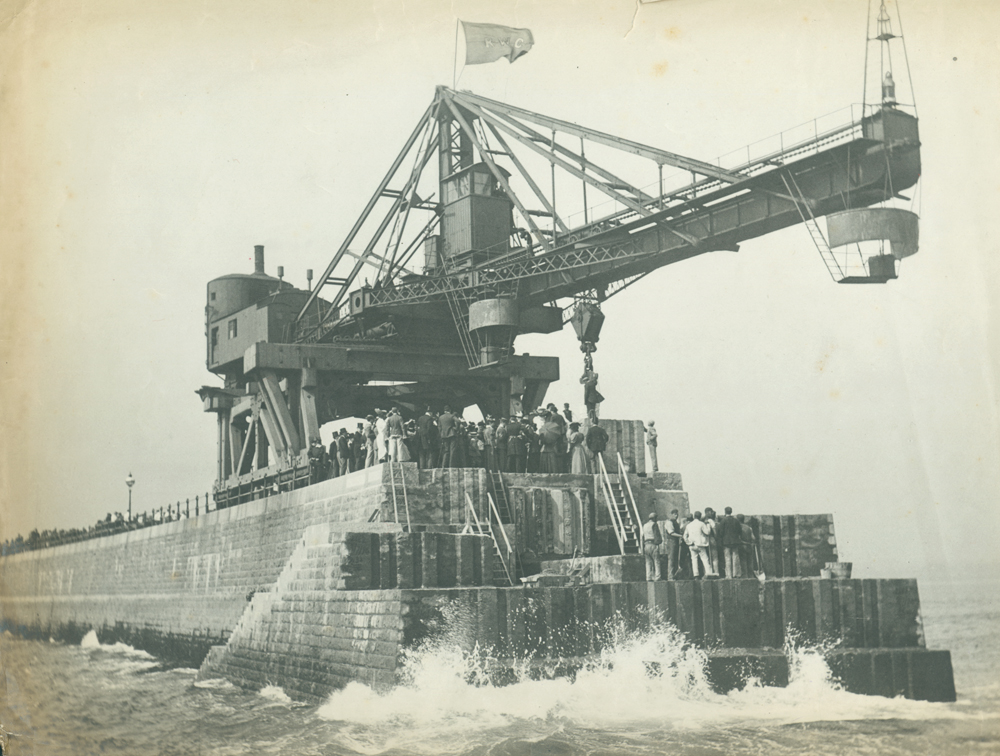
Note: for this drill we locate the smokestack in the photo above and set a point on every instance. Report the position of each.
(258, 258)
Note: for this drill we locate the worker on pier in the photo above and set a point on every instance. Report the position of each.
(343, 452)
(382, 426)
(358, 448)
(713, 539)
(517, 449)
(651, 443)
(672, 538)
(597, 442)
(500, 435)
(447, 428)
(318, 460)
(371, 441)
(732, 537)
(396, 431)
(428, 439)
(591, 396)
(651, 541)
(696, 536)
(332, 457)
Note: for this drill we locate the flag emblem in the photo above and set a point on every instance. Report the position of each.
(485, 43)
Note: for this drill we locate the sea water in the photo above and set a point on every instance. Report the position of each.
(647, 694)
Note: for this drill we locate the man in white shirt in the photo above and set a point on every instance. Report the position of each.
(382, 429)
(651, 540)
(696, 536)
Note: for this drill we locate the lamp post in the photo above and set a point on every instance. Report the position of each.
(130, 481)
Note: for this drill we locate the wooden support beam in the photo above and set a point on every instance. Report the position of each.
(236, 441)
(307, 404)
(276, 404)
(273, 434)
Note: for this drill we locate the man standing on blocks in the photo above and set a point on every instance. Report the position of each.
(651, 540)
(651, 443)
(696, 535)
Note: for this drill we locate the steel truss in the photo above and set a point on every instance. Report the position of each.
(603, 255)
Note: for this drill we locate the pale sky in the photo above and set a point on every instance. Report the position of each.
(145, 147)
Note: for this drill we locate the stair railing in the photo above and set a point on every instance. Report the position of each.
(475, 516)
(510, 551)
(628, 487)
(489, 530)
(496, 478)
(609, 498)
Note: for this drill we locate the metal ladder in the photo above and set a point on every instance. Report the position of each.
(462, 325)
(627, 528)
(406, 501)
(505, 513)
(812, 226)
(502, 573)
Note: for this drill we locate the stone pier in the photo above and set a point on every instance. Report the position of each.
(324, 585)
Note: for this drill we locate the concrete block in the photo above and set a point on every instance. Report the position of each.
(466, 547)
(814, 544)
(826, 609)
(772, 629)
(409, 568)
(870, 613)
(683, 610)
(447, 560)
(429, 560)
(899, 614)
(770, 545)
(387, 560)
(708, 609)
(731, 669)
(741, 613)
(931, 675)
(847, 596)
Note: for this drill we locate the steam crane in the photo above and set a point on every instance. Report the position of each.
(503, 240)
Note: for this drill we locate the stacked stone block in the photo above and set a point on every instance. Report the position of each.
(180, 583)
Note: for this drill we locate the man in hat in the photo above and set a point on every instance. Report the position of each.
(317, 459)
(371, 441)
(651, 540)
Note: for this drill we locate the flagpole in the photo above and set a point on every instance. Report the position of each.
(454, 58)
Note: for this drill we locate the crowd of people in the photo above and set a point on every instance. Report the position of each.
(109, 525)
(545, 441)
(703, 545)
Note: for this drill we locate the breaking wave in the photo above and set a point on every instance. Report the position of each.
(645, 681)
(91, 642)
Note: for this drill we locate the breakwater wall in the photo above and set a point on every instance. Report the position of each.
(313, 588)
